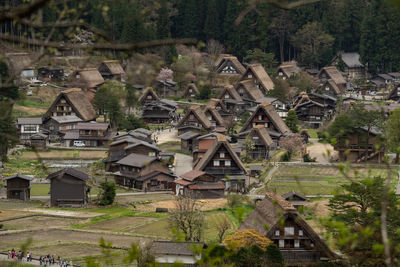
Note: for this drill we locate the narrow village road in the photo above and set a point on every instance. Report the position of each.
(183, 163)
(167, 135)
(34, 261)
(266, 180)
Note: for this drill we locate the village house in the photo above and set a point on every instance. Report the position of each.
(166, 88)
(221, 161)
(228, 65)
(360, 146)
(148, 96)
(188, 141)
(265, 115)
(111, 70)
(26, 127)
(71, 102)
(159, 111)
(50, 73)
(92, 134)
(39, 141)
(331, 72)
(19, 187)
(20, 66)
(68, 188)
(297, 241)
(262, 142)
(232, 100)
(280, 107)
(168, 253)
(220, 107)
(198, 184)
(352, 66)
(394, 94)
(313, 109)
(288, 69)
(195, 120)
(191, 91)
(296, 199)
(144, 173)
(382, 80)
(260, 78)
(202, 143)
(255, 170)
(329, 87)
(86, 79)
(59, 125)
(249, 92)
(395, 76)
(217, 122)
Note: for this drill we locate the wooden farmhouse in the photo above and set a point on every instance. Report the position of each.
(166, 88)
(144, 173)
(86, 79)
(220, 107)
(329, 87)
(191, 91)
(92, 134)
(278, 220)
(26, 127)
(232, 100)
(68, 188)
(195, 120)
(217, 122)
(148, 96)
(167, 253)
(395, 76)
(221, 161)
(188, 141)
(203, 143)
(39, 141)
(331, 72)
(19, 187)
(296, 199)
(249, 92)
(360, 146)
(59, 125)
(228, 65)
(262, 142)
(50, 73)
(71, 102)
(313, 109)
(266, 116)
(198, 184)
(288, 69)
(111, 70)
(351, 63)
(260, 78)
(394, 93)
(159, 111)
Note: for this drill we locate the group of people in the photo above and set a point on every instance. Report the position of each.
(43, 260)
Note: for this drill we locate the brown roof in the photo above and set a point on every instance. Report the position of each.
(199, 114)
(70, 171)
(182, 182)
(221, 58)
(219, 141)
(191, 175)
(90, 78)
(269, 214)
(289, 68)
(214, 103)
(114, 66)
(136, 160)
(252, 89)
(17, 62)
(192, 86)
(92, 126)
(263, 134)
(334, 86)
(224, 57)
(273, 116)
(78, 101)
(231, 91)
(215, 114)
(334, 74)
(263, 77)
(207, 186)
(148, 90)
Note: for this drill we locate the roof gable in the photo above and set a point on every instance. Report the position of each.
(334, 74)
(289, 68)
(114, 67)
(199, 114)
(71, 172)
(232, 93)
(230, 61)
(147, 91)
(252, 90)
(263, 134)
(258, 71)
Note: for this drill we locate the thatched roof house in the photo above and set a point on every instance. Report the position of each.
(195, 119)
(259, 76)
(87, 79)
(228, 65)
(331, 72)
(111, 69)
(148, 95)
(247, 90)
(287, 69)
(71, 102)
(278, 220)
(17, 62)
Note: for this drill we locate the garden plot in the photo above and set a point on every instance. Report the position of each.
(38, 222)
(312, 180)
(122, 224)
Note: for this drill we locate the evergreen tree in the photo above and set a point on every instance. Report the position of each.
(133, 30)
(292, 121)
(163, 22)
(211, 27)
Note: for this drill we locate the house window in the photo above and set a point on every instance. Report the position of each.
(297, 243)
(63, 101)
(300, 232)
(327, 88)
(280, 73)
(190, 90)
(254, 124)
(191, 117)
(152, 154)
(222, 155)
(149, 97)
(260, 117)
(249, 76)
(51, 127)
(289, 231)
(277, 233)
(209, 118)
(226, 96)
(266, 125)
(227, 163)
(281, 243)
(318, 118)
(255, 137)
(216, 162)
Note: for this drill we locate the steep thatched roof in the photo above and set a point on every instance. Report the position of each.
(79, 103)
(273, 116)
(114, 67)
(263, 134)
(215, 114)
(18, 62)
(289, 68)
(194, 88)
(148, 90)
(87, 78)
(334, 86)
(334, 74)
(231, 91)
(261, 75)
(235, 62)
(199, 114)
(214, 102)
(268, 216)
(254, 92)
(218, 142)
(350, 59)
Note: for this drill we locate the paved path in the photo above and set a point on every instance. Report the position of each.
(266, 180)
(3, 257)
(183, 163)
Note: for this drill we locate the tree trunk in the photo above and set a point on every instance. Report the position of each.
(396, 161)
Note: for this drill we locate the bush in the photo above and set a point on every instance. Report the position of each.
(234, 200)
(307, 158)
(107, 193)
(285, 157)
(234, 139)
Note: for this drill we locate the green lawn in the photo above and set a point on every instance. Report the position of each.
(43, 190)
(28, 167)
(31, 103)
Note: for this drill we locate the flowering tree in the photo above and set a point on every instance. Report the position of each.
(165, 74)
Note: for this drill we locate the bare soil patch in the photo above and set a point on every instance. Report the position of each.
(6, 214)
(204, 204)
(120, 224)
(38, 222)
(66, 250)
(64, 154)
(32, 111)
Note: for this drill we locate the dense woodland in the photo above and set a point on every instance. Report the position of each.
(312, 33)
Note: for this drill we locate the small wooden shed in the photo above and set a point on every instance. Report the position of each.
(19, 187)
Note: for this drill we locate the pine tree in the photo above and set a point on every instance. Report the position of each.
(292, 121)
(211, 27)
(163, 22)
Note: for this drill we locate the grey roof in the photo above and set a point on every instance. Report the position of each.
(142, 143)
(293, 193)
(213, 135)
(136, 160)
(29, 120)
(92, 126)
(256, 168)
(266, 98)
(66, 119)
(71, 135)
(70, 171)
(115, 155)
(351, 59)
(152, 174)
(38, 136)
(169, 102)
(173, 248)
(395, 74)
(142, 131)
(385, 76)
(188, 135)
(22, 176)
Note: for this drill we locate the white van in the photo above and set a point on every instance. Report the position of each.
(79, 143)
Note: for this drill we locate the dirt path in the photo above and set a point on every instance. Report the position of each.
(320, 151)
(169, 135)
(183, 163)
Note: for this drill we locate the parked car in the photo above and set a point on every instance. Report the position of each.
(79, 143)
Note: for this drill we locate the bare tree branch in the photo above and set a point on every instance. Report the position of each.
(22, 11)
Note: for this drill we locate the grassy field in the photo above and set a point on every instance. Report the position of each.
(64, 154)
(43, 190)
(29, 167)
(315, 180)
